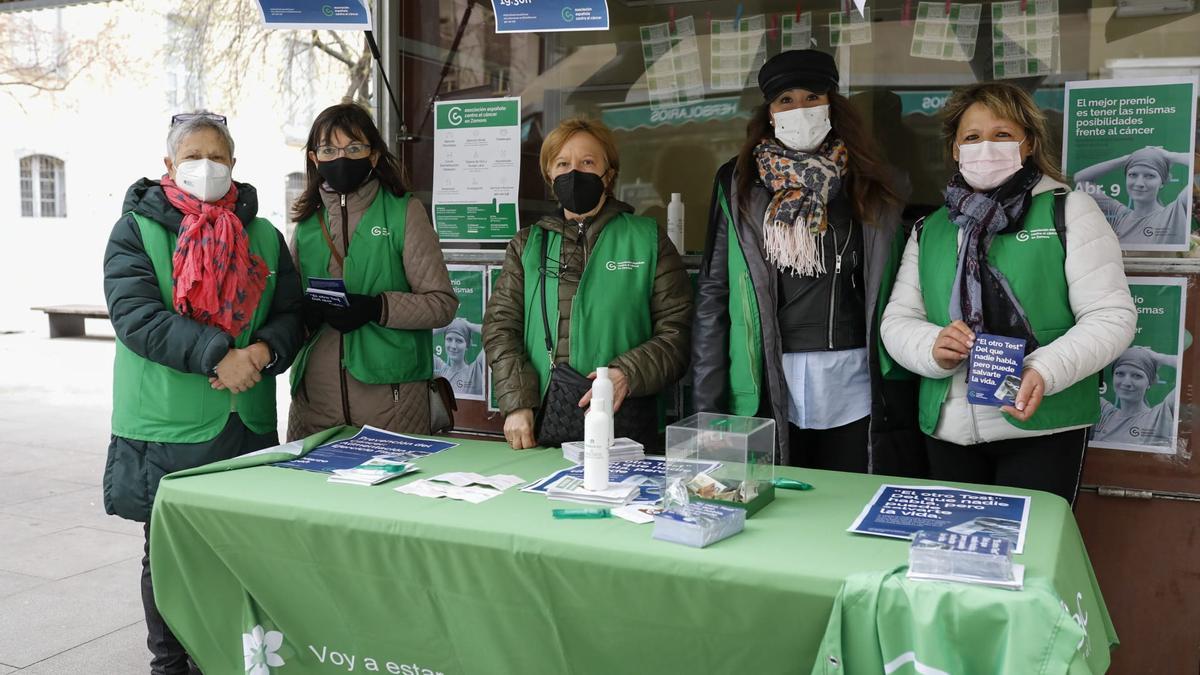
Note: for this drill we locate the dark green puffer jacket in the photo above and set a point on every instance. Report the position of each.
(156, 332)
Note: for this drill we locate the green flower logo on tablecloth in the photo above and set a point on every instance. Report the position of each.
(259, 647)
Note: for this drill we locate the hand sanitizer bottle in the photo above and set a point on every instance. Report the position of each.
(597, 438)
(602, 388)
(675, 221)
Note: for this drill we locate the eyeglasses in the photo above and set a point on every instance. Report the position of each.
(184, 117)
(327, 153)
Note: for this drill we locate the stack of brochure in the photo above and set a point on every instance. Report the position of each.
(622, 449)
(570, 488)
(372, 472)
(698, 524)
(967, 558)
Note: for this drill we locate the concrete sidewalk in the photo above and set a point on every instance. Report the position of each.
(69, 599)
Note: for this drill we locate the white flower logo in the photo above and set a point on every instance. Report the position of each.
(259, 647)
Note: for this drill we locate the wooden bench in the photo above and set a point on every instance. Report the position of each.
(67, 320)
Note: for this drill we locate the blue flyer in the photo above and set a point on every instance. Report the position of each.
(901, 511)
(994, 370)
(327, 291)
(649, 474)
(315, 14)
(369, 442)
(543, 16)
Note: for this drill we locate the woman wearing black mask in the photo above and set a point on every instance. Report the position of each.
(618, 294)
(368, 362)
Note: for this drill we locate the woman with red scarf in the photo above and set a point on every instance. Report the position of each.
(206, 305)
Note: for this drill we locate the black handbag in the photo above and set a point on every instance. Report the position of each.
(560, 419)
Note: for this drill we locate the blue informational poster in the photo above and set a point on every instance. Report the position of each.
(649, 474)
(367, 443)
(327, 291)
(994, 371)
(901, 511)
(541, 16)
(315, 14)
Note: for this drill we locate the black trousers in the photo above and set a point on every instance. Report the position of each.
(1051, 463)
(841, 448)
(167, 655)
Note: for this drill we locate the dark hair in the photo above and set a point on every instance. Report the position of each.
(353, 120)
(867, 182)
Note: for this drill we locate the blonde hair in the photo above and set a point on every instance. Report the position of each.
(556, 139)
(1008, 102)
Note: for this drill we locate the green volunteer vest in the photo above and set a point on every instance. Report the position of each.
(1032, 261)
(610, 314)
(374, 264)
(745, 325)
(153, 402)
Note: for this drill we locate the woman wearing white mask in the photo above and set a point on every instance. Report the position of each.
(800, 231)
(206, 306)
(1012, 253)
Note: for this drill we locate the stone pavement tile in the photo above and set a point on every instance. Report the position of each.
(57, 434)
(11, 583)
(17, 488)
(55, 617)
(17, 527)
(69, 552)
(5, 670)
(83, 508)
(122, 651)
(74, 466)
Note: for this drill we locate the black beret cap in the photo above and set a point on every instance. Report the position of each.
(804, 68)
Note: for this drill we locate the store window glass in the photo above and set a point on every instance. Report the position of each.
(676, 82)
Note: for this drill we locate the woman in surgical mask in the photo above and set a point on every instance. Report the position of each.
(800, 232)
(205, 303)
(1145, 219)
(368, 357)
(1015, 254)
(616, 294)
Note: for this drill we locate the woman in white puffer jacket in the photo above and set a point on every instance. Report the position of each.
(998, 260)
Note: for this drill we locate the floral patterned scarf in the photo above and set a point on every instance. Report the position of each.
(218, 281)
(803, 183)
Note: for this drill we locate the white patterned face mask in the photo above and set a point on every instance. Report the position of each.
(803, 129)
(987, 164)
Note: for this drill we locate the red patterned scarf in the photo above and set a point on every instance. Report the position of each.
(218, 282)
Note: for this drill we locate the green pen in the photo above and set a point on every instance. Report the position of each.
(574, 514)
(790, 484)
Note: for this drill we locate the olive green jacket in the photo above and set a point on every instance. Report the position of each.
(650, 367)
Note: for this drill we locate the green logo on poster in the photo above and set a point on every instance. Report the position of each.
(454, 116)
(568, 14)
(326, 10)
(258, 650)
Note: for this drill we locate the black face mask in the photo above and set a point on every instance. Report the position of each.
(345, 175)
(579, 191)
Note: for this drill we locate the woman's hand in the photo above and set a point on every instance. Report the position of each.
(1029, 397)
(518, 429)
(620, 389)
(953, 344)
(237, 372)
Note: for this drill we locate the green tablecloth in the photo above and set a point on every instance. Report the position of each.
(274, 568)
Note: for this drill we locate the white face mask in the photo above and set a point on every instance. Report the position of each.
(803, 129)
(987, 164)
(204, 179)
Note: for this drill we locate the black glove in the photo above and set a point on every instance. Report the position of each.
(362, 309)
(313, 314)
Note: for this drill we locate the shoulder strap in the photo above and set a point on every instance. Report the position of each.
(542, 272)
(1060, 216)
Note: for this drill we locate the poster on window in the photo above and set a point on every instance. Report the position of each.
(476, 169)
(315, 14)
(547, 16)
(850, 28)
(493, 275)
(796, 31)
(1025, 38)
(1139, 392)
(458, 347)
(1131, 145)
(738, 48)
(672, 59)
(946, 32)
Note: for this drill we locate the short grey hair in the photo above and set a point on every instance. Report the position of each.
(188, 127)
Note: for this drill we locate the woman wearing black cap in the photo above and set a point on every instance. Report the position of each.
(800, 231)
